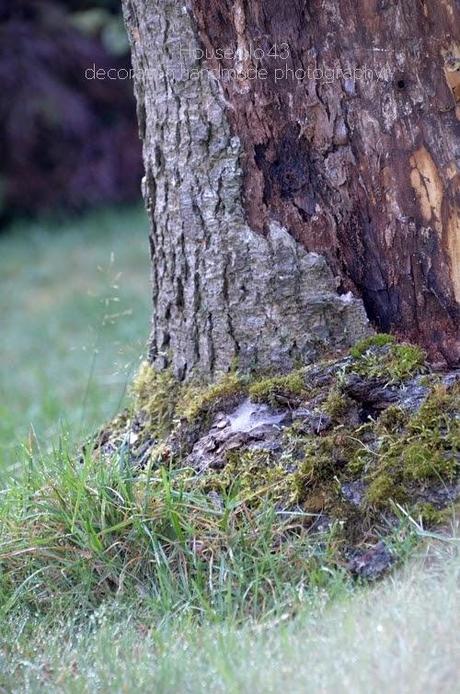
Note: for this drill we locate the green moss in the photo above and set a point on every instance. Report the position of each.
(396, 362)
(278, 388)
(251, 476)
(439, 416)
(392, 419)
(394, 456)
(155, 394)
(358, 462)
(382, 489)
(198, 400)
(420, 449)
(378, 340)
(336, 404)
(322, 460)
(437, 426)
(306, 474)
(421, 462)
(162, 398)
(406, 360)
(428, 514)
(403, 463)
(315, 468)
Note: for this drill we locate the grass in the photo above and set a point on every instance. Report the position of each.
(73, 535)
(400, 636)
(115, 583)
(75, 306)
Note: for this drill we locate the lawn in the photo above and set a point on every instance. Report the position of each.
(400, 637)
(102, 587)
(75, 306)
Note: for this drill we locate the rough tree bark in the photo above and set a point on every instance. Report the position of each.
(304, 167)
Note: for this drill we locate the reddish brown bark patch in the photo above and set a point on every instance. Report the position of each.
(360, 170)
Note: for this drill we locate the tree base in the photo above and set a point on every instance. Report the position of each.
(345, 444)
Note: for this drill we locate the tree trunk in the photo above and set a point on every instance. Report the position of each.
(301, 163)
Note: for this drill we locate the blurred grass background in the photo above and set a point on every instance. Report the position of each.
(75, 307)
(74, 262)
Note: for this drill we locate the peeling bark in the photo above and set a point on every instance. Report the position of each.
(362, 171)
(252, 184)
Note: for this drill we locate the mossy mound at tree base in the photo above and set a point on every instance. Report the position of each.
(347, 442)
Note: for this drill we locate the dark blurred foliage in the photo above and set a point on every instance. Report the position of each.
(67, 142)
